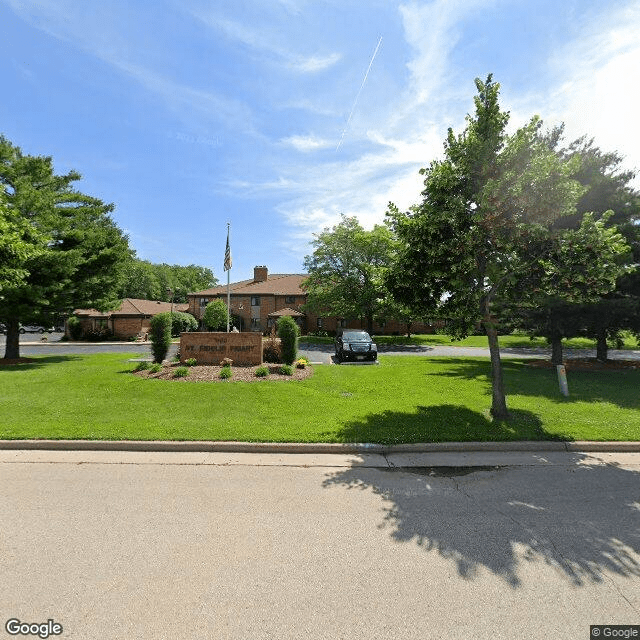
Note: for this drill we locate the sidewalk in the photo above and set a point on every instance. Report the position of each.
(452, 455)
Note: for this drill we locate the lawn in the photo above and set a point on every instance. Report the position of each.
(404, 399)
(513, 341)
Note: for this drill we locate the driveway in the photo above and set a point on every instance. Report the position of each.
(30, 345)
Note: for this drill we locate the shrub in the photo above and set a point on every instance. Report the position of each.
(271, 351)
(262, 372)
(182, 322)
(155, 368)
(98, 335)
(227, 362)
(225, 373)
(160, 335)
(286, 370)
(142, 366)
(288, 332)
(191, 362)
(301, 363)
(75, 328)
(181, 372)
(215, 315)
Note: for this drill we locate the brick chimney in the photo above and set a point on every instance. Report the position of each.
(260, 274)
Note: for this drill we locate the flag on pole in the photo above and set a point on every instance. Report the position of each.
(227, 254)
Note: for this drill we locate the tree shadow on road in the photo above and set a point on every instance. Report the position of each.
(581, 520)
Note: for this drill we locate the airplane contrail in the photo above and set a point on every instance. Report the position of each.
(355, 102)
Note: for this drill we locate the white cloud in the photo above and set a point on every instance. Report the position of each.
(597, 90)
(263, 41)
(314, 63)
(308, 143)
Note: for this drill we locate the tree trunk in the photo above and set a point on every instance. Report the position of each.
(602, 350)
(556, 350)
(12, 348)
(409, 329)
(370, 323)
(498, 401)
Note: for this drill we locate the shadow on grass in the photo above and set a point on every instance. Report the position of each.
(441, 423)
(37, 362)
(617, 387)
(581, 521)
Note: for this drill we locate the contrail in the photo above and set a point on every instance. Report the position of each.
(355, 102)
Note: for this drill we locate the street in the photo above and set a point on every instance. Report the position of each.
(215, 545)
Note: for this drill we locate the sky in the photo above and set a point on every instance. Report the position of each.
(279, 116)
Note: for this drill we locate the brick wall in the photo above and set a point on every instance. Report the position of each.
(213, 346)
(130, 327)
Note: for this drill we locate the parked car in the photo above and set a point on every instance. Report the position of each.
(355, 345)
(3, 328)
(32, 328)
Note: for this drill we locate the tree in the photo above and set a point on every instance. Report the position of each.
(160, 336)
(19, 242)
(215, 315)
(346, 270)
(488, 209)
(78, 247)
(288, 332)
(149, 281)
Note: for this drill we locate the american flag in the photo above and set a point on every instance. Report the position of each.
(227, 255)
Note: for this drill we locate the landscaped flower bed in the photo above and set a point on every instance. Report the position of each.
(211, 373)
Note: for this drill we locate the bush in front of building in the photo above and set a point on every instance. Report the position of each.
(271, 348)
(75, 327)
(160, 336)
(288, 332)
(182, 322)
(215, 315)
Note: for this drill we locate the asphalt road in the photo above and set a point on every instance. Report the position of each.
(128, 545)
(31, 345)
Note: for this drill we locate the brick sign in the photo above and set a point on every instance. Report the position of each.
(213, 346)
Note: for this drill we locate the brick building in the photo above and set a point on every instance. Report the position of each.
(131, 319)
(256, 304)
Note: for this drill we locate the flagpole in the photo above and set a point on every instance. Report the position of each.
(228, 278)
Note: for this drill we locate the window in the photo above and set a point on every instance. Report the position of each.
(342, 323)
(255, 324)
(289, 299)
(255, 301)
(319, 323)
(203, 302)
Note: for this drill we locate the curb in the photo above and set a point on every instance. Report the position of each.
(335, 448)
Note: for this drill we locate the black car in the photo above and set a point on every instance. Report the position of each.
(355, 345)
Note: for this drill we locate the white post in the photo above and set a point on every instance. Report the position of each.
(562, 380)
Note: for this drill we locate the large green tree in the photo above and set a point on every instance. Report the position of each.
(477, 231)
(346, 270)
(607, 188)
(76, 248)
(150, 281)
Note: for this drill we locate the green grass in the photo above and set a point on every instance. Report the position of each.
(508, 341)
(404, 399)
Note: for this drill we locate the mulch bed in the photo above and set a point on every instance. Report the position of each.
(9, 361)
(588, 364)
(211, 373)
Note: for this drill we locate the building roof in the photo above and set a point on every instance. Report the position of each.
(135, 307)
(281, 284)
(286, 312)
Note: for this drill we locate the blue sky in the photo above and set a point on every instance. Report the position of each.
(190, 114)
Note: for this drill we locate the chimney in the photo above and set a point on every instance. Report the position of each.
(260, 274)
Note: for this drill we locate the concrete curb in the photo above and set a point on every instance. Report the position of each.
(314, 448)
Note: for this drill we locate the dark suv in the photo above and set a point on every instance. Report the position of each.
(355, 345)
